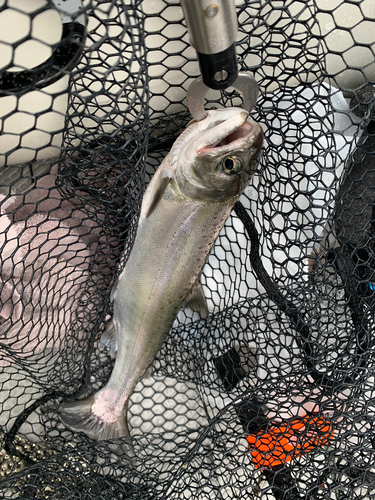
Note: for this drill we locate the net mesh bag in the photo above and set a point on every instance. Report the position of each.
(269, 397)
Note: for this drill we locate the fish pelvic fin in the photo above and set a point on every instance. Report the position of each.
(78, 416)
(196, 300)
(109, 339)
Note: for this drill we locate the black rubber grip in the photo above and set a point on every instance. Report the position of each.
(216, 64)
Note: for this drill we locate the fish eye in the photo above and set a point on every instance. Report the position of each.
(231, 165)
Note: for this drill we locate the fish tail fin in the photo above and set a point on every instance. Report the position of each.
(79, 417)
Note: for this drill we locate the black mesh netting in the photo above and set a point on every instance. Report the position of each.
(272, 395)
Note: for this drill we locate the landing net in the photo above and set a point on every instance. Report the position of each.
(271, 396)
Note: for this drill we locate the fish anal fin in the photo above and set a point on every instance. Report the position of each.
(161, 183)
(109, 339)
(196, 299)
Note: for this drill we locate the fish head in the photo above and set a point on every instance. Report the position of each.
(216, 157)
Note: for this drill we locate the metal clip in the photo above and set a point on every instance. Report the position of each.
(245, 84)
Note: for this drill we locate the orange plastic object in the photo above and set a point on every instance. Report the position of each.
(280, 444)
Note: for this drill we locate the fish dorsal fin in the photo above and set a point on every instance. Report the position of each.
(160, 185)
(196, 299)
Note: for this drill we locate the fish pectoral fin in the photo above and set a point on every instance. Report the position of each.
(196, 300)
(109, 339)
(160, 186)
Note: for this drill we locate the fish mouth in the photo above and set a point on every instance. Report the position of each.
(238, 135)
(243, 132)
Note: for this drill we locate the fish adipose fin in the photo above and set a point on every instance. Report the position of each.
(109, 339)
(196, 300)
(78, 416)
(161, 185)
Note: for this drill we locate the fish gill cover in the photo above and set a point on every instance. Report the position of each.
(271, 396)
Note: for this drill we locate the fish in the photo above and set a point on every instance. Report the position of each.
(184, 208)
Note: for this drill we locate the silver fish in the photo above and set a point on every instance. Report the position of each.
(184, 208)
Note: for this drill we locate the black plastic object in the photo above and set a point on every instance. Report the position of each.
(64, 58)
(283, 484)
(229, 368)
(220, 70)
(251, 416)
